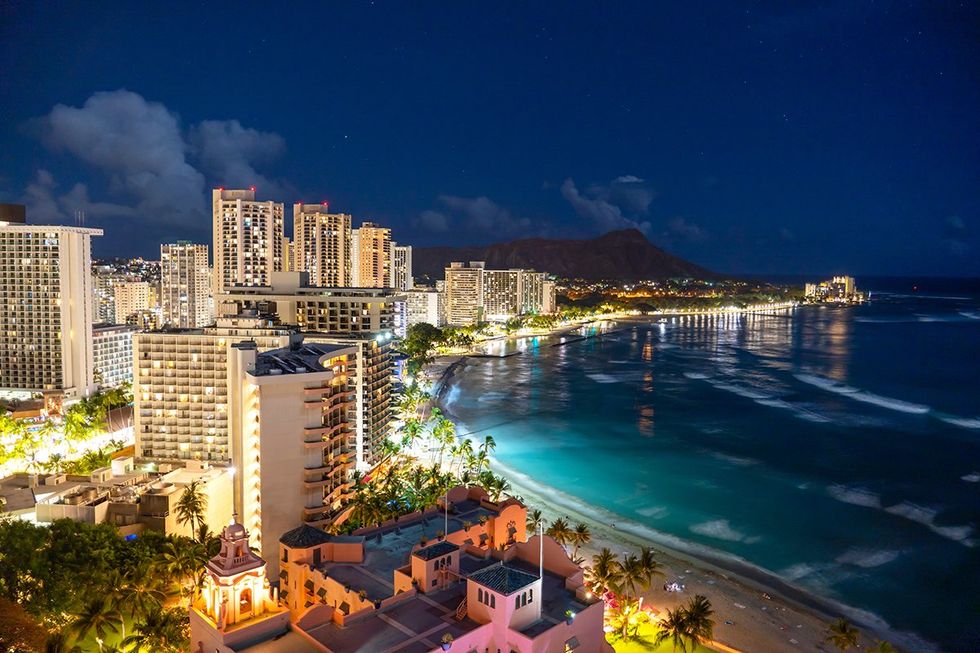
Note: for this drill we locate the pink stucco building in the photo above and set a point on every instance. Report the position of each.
(483, 588)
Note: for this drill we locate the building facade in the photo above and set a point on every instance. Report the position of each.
(464, 293)
(130, 297)
(401, 267)
(248, 238)
(475, 294)
(293, 446)
(46, 342)
(294, 300)
(322, 245)
(113, 354)
(185, 286)
(425, 305)
(374, 259)
(181, 386)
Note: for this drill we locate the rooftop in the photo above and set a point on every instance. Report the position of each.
(297, 359)
(436, 550)
(304, 536)
(503, 578)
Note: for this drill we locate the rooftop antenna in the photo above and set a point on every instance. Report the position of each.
(79, 218)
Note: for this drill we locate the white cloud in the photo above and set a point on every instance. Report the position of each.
(600, 209)
(155, 168)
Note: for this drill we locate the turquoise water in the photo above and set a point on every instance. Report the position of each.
(836, 447)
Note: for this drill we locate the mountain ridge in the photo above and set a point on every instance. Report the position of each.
(622, 254)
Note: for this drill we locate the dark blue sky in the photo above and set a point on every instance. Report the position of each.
(758, 137)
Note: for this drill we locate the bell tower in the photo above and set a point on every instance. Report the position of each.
(235, 586)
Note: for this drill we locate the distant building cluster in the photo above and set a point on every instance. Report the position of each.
(475, 294)
(840, 290)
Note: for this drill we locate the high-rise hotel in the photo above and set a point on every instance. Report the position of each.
(185, 285)
(475, 294)
(46, 309)
(248, 239)
(373, 262)
(322, 245)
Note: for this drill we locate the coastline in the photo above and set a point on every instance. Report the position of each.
(754, 608)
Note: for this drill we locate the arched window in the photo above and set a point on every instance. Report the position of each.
(245, 602)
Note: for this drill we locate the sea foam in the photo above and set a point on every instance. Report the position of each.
(720, 529)
(855, 496)
(862, 395)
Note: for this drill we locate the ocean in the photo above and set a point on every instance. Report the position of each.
(836, 447)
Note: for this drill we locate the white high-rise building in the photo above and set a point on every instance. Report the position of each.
(185, 282)
(425, 305)
(46, 302)
(113, 354)
(401, 267)
(248, 238)
(322, 245)
(474, 293)
(464, 293)
(130, 297)
(291, 435)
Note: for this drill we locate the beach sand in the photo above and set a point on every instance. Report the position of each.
(754, 610)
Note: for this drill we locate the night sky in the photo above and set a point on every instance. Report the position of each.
(788, 137)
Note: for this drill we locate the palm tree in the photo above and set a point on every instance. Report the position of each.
(881, 646)
(156, 632)
(191, 506)
(625, 620)
(633, 575)
(842, 635)
(497, 487)
(534, 521)
(650, 566)
(580, 537)
(489, 445)
(700, 625)
(673, 627)
(99, 616)
(605, 573)
(140, 593)
(560, 531)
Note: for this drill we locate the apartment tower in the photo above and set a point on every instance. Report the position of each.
(46, 309)
(464, 293)
(322, 245)
(185, 282)
(248, 238)
(401, 267)
(374, 260)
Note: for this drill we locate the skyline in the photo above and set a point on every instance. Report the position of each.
(804, 141)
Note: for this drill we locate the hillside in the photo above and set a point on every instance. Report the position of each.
(625, 254)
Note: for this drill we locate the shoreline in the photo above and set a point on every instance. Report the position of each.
(755, 608)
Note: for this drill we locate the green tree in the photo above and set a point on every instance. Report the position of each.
(605, 574)
(98, 616)
(191, 506)
(560, 531)
(699, 624)
(534, 521)
(673, 627)
(842, 635)
(581, 536)
(650, 566)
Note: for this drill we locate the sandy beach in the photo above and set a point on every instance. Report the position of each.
(754, 609)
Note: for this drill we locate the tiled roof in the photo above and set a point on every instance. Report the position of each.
(303, 537)
(436, 550)
(503, 579)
